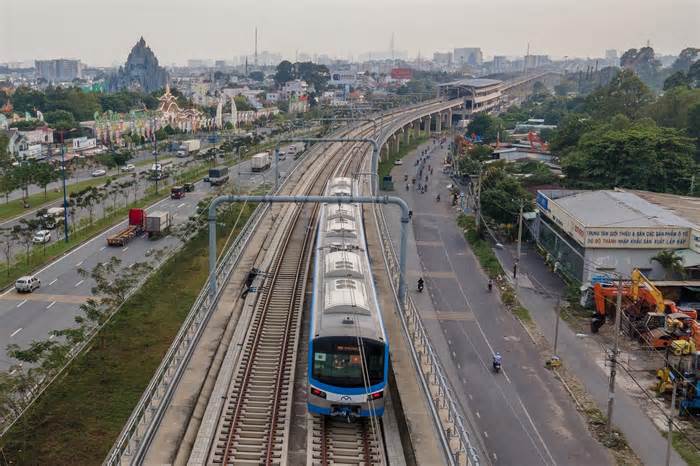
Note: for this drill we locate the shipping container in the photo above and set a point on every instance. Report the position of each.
(261, 162)
(157, 223)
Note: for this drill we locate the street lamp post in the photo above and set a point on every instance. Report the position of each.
(65, 197)
(155, 153)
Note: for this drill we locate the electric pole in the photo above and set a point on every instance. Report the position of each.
(692, 185)
(613, 356)
(669, 436)
(477, 202)
(155, 154)
(520, 239)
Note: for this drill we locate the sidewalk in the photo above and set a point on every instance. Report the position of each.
(539, 289)
(524, 404)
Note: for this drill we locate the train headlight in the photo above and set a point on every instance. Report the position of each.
(375, 396)
(317, 392)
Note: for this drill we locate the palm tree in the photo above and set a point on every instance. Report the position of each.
(671, 262)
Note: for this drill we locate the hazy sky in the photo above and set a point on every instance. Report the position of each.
(101, 32)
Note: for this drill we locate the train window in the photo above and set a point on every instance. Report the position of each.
(345, 285)
(337, 361)
(345, 265)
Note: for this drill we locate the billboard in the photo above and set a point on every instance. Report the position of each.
(83, 143)
(637, 238)
(401, 73)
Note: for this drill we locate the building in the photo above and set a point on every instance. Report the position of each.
(30, 144)
(443, 59)
(140, 72)
(294, 89)
(590, 235)
(60, 70)
(536, 61)
(500, 63)
(480, 95)
(468, 56)
(611, 57)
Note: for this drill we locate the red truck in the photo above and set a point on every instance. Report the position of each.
(137, 219)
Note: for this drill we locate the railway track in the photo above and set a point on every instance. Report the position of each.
(254, 425)
(337, 442)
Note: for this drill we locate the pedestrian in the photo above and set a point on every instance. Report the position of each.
(410, 214)
(515, 270)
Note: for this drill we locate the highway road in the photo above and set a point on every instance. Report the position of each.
(28, 317)
(522, 415)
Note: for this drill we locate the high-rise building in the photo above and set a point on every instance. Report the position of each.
(611, 57)
(468, 56)
(440, 58)
(59, 70)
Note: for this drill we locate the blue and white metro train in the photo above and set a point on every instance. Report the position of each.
(348, 349)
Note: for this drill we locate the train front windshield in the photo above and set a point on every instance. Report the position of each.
(337, 361)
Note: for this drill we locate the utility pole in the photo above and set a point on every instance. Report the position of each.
(692, 185)
(669, 437)
(477, 201)
(613, 356)
(65, 198)
(556, 329)
(520, 234)
(155, 153)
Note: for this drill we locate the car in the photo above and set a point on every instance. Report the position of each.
(27, 284)
(177, 192)
(206, 179)
(398, 162)
(129, 167)
(97, 173)
(42, 236)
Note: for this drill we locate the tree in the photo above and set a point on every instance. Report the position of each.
(485, 126)
(60, 120)
(284, 73)
(672, 108)
(257, 76)
(643, 156)
(45, 174)
(501, 196)
(626, 94)
(679, 78)
(694, 121)
(643, 63)
(25, 234)
(685, 59)
(9, 238)
(671, 262)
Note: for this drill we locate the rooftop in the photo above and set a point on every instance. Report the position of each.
(618, 208)
(472, 82)
(684, 206)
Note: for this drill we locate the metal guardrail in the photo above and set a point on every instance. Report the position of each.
(428, 364)
(137, 433)
(140, 424)
(135, 437)
(454, 435)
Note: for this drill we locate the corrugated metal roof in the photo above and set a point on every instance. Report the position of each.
(618, 209)
(472, 82)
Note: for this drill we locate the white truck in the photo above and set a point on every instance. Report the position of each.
(157, 223)
(188, 147)
(261, 162)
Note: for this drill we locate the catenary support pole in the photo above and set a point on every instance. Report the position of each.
(311, 199)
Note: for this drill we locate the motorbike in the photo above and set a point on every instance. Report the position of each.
(420, 287)
(437, 198)
(496, 366)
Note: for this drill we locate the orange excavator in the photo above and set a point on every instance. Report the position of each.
(536, 143)
(641, 297)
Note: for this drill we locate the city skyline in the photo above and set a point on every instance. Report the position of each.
(222, 31)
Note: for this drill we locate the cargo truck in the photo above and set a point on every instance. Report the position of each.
(157, 224)
(218, 176)
(261, 162)
(188, 147)
(132, 230)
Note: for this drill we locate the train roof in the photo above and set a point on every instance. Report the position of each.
(345, 301)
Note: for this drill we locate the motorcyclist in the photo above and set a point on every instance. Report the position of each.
(438, 198)
(497, 360)
(420, 284)
(490, 285)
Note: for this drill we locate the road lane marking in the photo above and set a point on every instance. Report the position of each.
(470, 396)
(54, 281)
(124, 250)
(22, 303)
(478, 415)
(131, 265)
(79, 263)
(103, 248)
(180, 205)
(16, 332)
(79, 283)
(495, 458)
(51, 305)
(103, 235)
(486, 434)
(52, 336)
